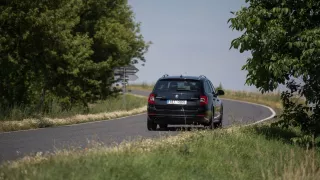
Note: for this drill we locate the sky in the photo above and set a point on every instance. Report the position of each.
(191, 38)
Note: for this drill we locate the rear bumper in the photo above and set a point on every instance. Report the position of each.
(178, 119)
(177, 116)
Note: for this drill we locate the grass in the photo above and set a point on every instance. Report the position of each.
(234, 153)
(111, 104)
(102, 110)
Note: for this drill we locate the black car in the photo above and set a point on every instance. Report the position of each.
(184, 100)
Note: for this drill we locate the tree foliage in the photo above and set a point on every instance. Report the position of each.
(64, 50)
(284, 39)
(219, 87)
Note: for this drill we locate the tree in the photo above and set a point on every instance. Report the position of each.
(219, 87)
(116, 37)
(39, 52)
(64, 50)
(284, 40)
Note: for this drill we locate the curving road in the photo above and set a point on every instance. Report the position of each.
(16, 144)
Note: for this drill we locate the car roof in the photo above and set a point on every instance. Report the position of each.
(183, 77)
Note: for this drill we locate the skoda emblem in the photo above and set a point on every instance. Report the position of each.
(177, 96)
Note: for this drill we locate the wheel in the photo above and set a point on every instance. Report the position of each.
(151, 125)
(219, 124)
(163, 126)
(211, 125)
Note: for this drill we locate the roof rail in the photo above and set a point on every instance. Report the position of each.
(165, 75)
(203, 76)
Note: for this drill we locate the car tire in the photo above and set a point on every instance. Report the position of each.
(211, 125)
(163, 126)
(151, 125)
(219, 124)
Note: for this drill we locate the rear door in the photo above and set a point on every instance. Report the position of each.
(216, 101)
(209, 94)
(173, 95)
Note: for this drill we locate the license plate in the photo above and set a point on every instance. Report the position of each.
(176, 102)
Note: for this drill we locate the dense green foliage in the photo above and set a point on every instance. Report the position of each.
(284, 39)
(64, 50)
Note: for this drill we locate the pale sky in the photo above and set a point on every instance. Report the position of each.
(191, 37)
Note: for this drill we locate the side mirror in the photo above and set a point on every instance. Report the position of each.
(220, 92)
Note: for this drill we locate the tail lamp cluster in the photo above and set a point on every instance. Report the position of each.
(203, 100)
(151, 99)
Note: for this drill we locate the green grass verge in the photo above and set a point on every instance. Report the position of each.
(256, 152)
(102, 110)
(109, 105)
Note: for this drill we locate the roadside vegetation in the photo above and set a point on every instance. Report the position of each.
(253, 152)
(59, 56)
(284, 37)
(257, 152)
(111, 108)
(57, 60)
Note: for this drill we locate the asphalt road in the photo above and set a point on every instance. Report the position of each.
(17, 144)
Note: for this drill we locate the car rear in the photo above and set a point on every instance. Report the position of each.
(178, 101)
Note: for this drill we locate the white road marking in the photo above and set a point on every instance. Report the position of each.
(273, 113)
(90, 122)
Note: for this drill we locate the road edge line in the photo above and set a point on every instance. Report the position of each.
(68, 125)
(273, 113)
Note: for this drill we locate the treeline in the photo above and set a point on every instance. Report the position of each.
(64, 51)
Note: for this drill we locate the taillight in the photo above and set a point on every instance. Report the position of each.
(203, 100)
(151, 99)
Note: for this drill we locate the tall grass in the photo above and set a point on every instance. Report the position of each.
(109, 105)
(236, 153)
(143, 86)
(272, 99)
(102, 110)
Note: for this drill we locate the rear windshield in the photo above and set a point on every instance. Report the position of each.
(178, 85)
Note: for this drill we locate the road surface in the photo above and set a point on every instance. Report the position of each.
(17, 144)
